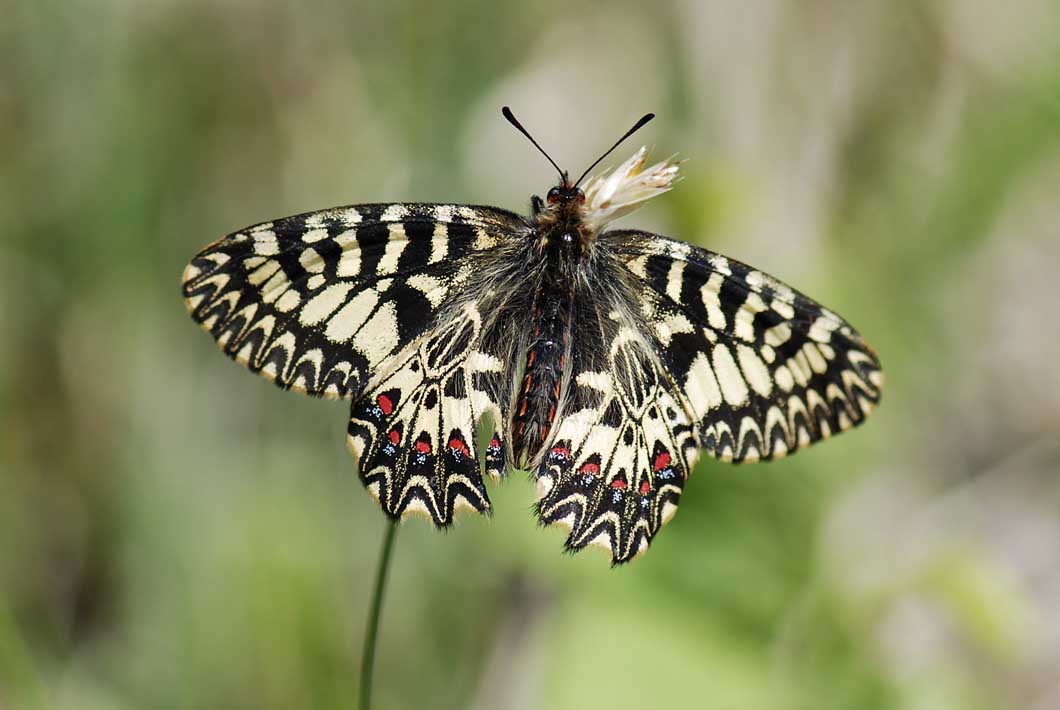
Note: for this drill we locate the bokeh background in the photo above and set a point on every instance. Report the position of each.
(177, 533)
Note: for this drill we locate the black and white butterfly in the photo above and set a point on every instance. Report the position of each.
(473, 339)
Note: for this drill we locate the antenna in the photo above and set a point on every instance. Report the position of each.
(515, 122)
(636, 127)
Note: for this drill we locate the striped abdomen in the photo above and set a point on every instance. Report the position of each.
(535, 408)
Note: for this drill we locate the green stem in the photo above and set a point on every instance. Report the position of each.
(368, 657)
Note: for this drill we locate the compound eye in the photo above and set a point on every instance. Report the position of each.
(553, 196)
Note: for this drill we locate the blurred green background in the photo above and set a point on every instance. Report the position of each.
(177, 533)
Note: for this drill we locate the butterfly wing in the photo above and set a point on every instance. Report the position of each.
(761, 369)
(621, 454)
(319, 302)
(714, 356)
(414, 430)
(365, 302)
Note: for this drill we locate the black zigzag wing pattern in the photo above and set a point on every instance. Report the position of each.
(618, 463)
(413, 431)
(320, 302)
(761, 369)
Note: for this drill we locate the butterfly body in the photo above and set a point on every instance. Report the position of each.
(604, 361)
(560, 243)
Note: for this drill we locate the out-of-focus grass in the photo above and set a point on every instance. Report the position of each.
(177, 533)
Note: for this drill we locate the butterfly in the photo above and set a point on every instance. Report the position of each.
(471, 340)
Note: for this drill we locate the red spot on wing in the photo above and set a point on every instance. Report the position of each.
(618, 484)
(644, 488)
(385, 404)
(560, 451)
(394, 437)
(424, 447)
(495, 443)
(457, 445)
(662, 461)
(590, 468)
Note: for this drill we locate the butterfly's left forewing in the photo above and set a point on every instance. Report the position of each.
(761, 369)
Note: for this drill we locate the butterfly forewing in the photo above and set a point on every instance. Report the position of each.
(762, 369)
(320, 302)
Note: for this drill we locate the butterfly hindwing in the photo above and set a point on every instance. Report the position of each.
(414, 430)
(320, 302)
(620, 457)
(762, 369)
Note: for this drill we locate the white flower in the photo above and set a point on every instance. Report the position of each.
(614, 195)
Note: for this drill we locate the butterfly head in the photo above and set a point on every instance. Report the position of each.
(565, 194)
(561, 216)
(560, 221)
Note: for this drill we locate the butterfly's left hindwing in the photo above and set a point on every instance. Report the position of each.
(320, 302)
(621, 455)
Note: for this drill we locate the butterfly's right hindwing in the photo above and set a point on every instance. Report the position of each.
(320, 302)
(414, 432)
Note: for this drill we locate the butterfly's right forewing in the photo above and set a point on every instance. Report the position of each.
(321, 302)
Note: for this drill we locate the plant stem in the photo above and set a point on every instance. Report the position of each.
(368, 656)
